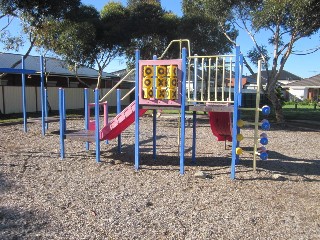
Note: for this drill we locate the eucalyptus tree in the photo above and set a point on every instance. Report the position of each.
(152, 29)
(89, 37)
(283, 23)
(32, 16)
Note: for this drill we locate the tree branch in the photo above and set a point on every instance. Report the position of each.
(24, 57)
(8, 23)
(235, 44)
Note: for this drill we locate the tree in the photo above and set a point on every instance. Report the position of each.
(152, 29)
(204, 35)
(285, 22)
(88, 37)
(73, 39)
(32, 15)
(132, 3)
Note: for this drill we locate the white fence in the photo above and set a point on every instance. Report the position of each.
(11, 98)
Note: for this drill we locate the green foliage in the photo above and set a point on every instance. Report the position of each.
(36, 12)
(116, 29)
(133, 3)
(34, 16)
(204, 35)
(299, 17)
(67, 39)
(152, 30)
(206, 31)
(254, 55)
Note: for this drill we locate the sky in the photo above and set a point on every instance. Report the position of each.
(302, 66)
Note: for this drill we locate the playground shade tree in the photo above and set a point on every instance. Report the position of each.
(89, 37)
(32, 15)
(152, 30)
(285, 22)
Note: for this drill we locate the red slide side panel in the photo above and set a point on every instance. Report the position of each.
(120, 122)
(220, 123)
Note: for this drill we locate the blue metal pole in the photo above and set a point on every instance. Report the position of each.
(240, 78)
(64, 111)
(97, 129)
(183, 109)
(86, 114)
(136, 115)
(24, 101)
(154, 117)
(235, 143)
(46, 106)
(62, 150)
(194, 136)
(118, 111)
(42, 96)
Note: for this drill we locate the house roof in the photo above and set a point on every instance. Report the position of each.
(307, 82)
(284, 75)
(122, 73)
(52, 66)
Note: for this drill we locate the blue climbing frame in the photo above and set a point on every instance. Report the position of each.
(236, 114)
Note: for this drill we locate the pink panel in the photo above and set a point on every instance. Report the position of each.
(162, 102)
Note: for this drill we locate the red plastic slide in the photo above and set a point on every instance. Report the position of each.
(220, 123)
(120, 122)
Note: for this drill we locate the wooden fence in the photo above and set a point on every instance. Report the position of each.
(11, 98)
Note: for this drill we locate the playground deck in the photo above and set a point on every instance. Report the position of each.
(46, 119)
(82, 135)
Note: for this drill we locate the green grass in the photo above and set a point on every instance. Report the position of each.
(303, 112)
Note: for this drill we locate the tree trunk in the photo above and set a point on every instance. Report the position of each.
(277, 106)
(99, 80)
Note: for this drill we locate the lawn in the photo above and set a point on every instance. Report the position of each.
(302, 112)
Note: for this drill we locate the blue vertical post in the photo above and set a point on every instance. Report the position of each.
(86, 114)
(183, 110)
(194, 136)
(46, 106)
(154, 127)
(61, 109)
(24, 101)
(64, 111)
(97, 128)
(240, 80)
(118, 111)
(42, 96)
(136, 114)
(235, 129)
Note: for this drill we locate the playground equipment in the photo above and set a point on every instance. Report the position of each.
(43, 95)
(215, 87)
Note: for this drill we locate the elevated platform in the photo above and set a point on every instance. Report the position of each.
(82, 135)
(217, 107)
(46, 120)
(210, 108)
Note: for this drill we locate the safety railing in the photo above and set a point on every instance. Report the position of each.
(211, 78)
(118, 83)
